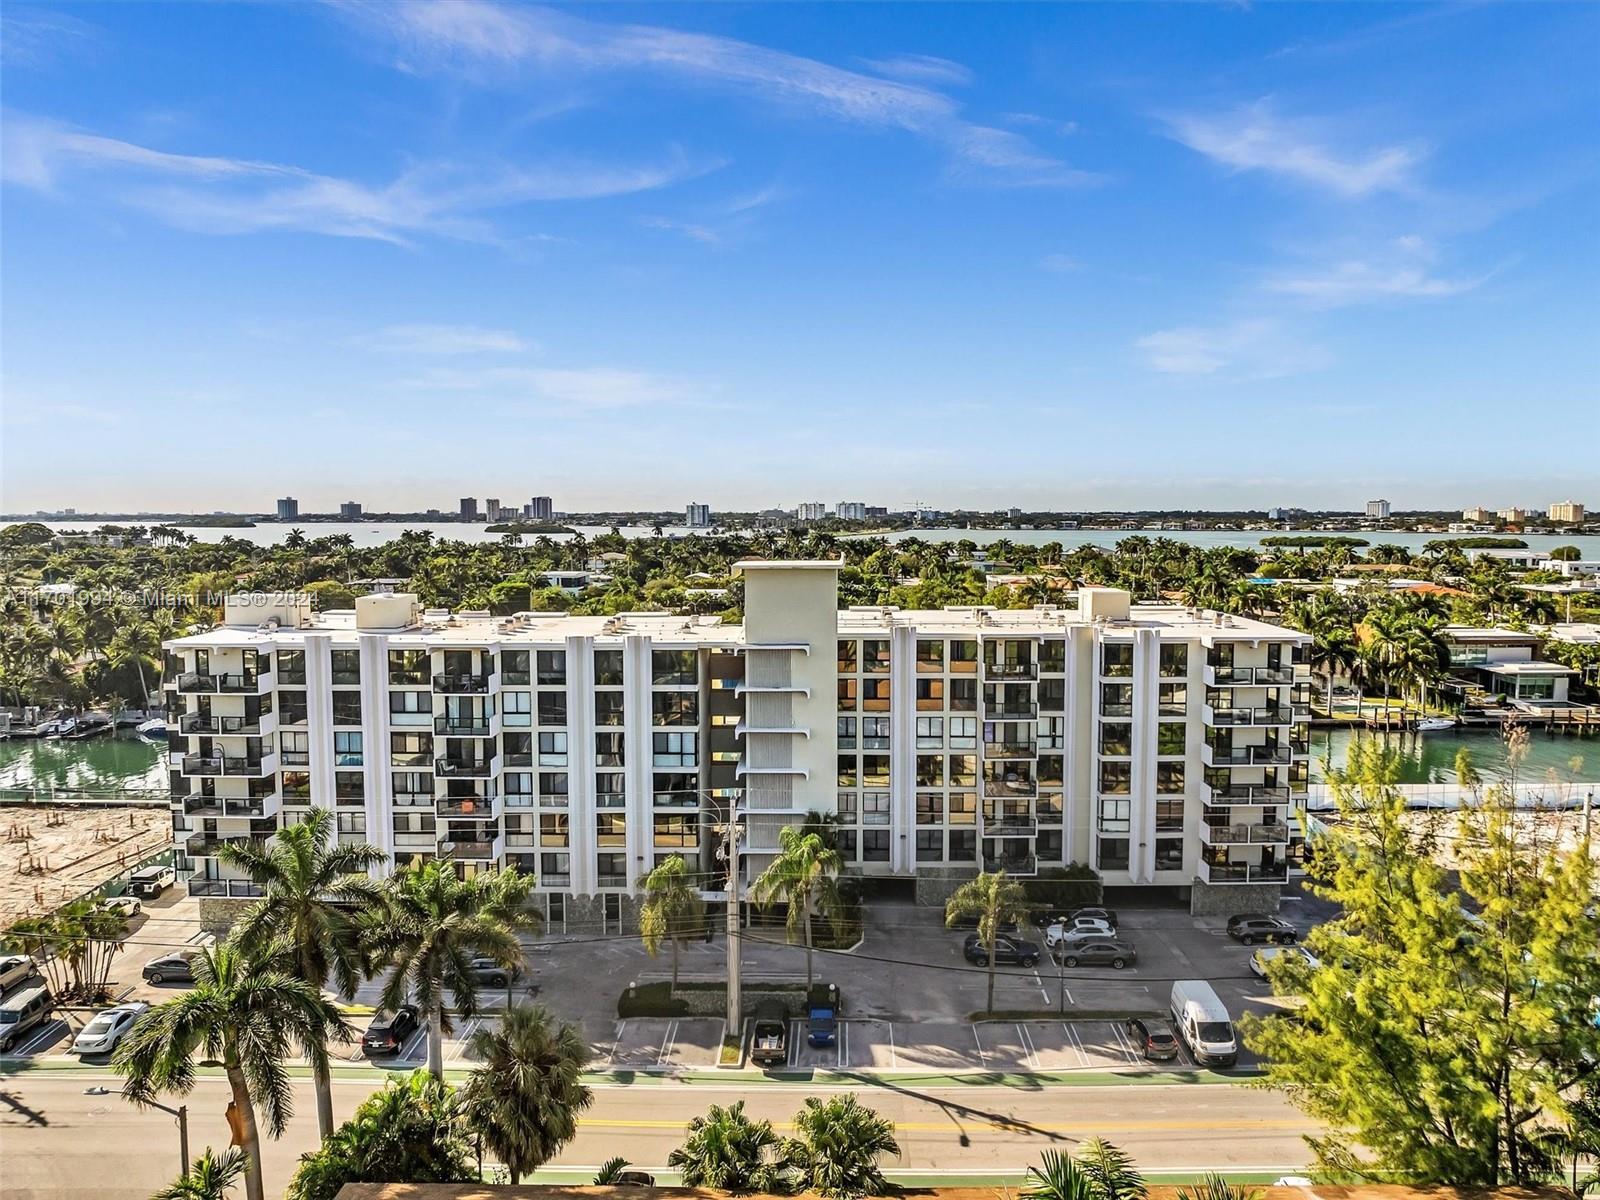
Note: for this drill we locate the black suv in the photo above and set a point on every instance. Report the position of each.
(389, 1031)
(1250, 928)
(1006, 950)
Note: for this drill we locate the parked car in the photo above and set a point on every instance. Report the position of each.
(128, 906)
(1007, 949)
(1078, 927)
(1096, 912)
(1260, 959)
(769, 1038)
(110, 1026)
(149, 882)
(1098, 952)
(970, 921)
(1251, 928)
(489, 973)
(15, 969)
(389, 1031)
(171, 968)
(1202, 1022)
(22, 1011)
(1153, 1038)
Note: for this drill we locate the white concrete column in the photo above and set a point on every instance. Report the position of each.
(319, 722)
(902, 749)
(1141, 831)
(580, 763)
(379, 793)
(638, 750)
(1077, 778)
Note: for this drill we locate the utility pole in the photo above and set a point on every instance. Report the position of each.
(735, 1000)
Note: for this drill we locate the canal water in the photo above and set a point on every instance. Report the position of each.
(122, 762)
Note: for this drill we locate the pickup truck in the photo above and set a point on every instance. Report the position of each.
(769, 1043)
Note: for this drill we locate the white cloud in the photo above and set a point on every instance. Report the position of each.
(1243, 350)
(920, 68)
(583, 388)
(486, 40)
(1254, 138)
(695, 232)
(209, 194)
(443, 339)
(38, 37)
(1400, 271)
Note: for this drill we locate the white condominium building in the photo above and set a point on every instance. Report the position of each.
(1378, 509)
(1162, 746)
(697, 516)
(1569, 512)
(811, 510)
(851, 510)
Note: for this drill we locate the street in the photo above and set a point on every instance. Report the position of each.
(57, 1143)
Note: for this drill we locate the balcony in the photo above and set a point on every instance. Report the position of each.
(1215, 756)
(1244, 834)
(1012, 864)
(250, 806)
(212, 725)
(1265, 755)
(456, 850)
(1007, 821)
(206, 845)
(202, 806)
(1010, 787)
(1010, 749)
(1271, 676)
(1270, 714)
(1246, 794)
(213, 765)
(195, 683)
(464, 768)
(461, 684)
(1220, 676)
(238, 889)
(463, 725)
(1010, 670)
(1002, 710)
(479, 807)
(1243, 872)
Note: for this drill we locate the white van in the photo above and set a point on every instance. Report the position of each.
(1203, 1024)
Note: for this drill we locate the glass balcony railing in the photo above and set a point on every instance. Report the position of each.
(459, 768)
(459, 683)
(1011, 670)
(235, 888)
(1010, 749)
(462, 725)
(198, 683)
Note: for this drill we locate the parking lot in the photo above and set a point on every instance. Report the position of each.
(910, 997)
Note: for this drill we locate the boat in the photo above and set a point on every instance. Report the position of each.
(1434, 724)
(155, 729)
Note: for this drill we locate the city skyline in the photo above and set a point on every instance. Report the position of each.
(1209, 258)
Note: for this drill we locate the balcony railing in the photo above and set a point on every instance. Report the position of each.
(1010, 670)
(1248, 794)
(1243, 872)
(461, 684)
(1010, 749)
(462, 725)
(246, 806)
(463, 768)
(206, 845)
(1001, 710)
(1274, 675)
(236, 888)
(194, 682)
(464, 806)
(1242, 834)
(210, 723)
(199, 764)
(1012, 864)
(476, 851)
(1270, 714)
(1269, 754)
(1238, 756)
(202, 806)
(1010, 787)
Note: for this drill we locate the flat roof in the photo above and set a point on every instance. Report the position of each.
(786, 564)
(1526, 668)
(1496, 636)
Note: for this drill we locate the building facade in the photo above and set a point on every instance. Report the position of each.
(697, 516)
(1378, 509)
(1569, 512)
(851, 510)
(811, 510)
(540, 509)
(469, 508)
(1162, 746)
(288, 509)
(350, 510)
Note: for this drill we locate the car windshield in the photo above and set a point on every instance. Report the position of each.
(8, 1017)
(98, 1025)
(1216, 1031)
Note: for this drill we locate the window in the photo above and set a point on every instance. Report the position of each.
(1169, 778)
(297, 786)
(676, 749)
(847, 802)
(610, 790)
(678, 830)
(675, 708)
(516, 710)
(407, 749)
(1116, 699)
(1174, 658)
(1050, 769)
(874, 808)
(291, 708)
(411, 788)
(347, 708)
(555, 870)
(608, 668)
(846, 841)
(1116, 737)
(930, 808)
(552, 666)
(930, 654)
(849, 658)
(875, 845)
(930, 845)
(930, 695)
(1052, 695)
(514, 666)
(963, 845)
(963, 808)
(930, 733)
(875, 695)
(1048, 845)
(1113, 854)
(930, 770)
(518, 788)
(607, 708)
(874, 770)
(963, 732)
(1052, 656)
(963, 695)
(875, 656)
(1116, 659)
(963, 656)
(291, 667)
(351, 822)
(294, 748)
(1052, 733)
(847, 694)
(410, 708)
(1169, 854)
(963, 770)
(847, 733)
(346, 666)
(414, 822)
(673, 667)
(1172, 699)
(553, 829)
(348, 788)
(1048, 807)
(1115, 815)
(608, 749)
(553, 707)
(553, 787)
(676, 790)
(552, 749)
(1169, 816)
(1172, 737)
(1116, 778)
(849, 770)
(408, 666)
(874, 733)
(611, 829)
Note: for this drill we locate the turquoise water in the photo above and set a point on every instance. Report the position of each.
(122, 762)
(1431, 757)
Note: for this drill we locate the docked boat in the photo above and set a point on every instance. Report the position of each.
(154, 730)
(1435, 724)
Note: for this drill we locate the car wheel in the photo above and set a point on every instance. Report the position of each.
(1070, 961)
(1030, 961)
(1288, 940)
(156, 977)
(498, 981)
(1118, 963)
(1247, 940)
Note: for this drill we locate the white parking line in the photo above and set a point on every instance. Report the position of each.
(1127, 1046)
(667, 1040)
(611, 1060)
(841, 1055)
(1030, 1055)
(894, 1060)
(1042, 991)
(983, 1059)
(1072, 1034)
(36, 1040)
(793, 1059)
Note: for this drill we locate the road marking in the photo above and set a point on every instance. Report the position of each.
(667, 1040)
(1127, 1044)
(28, 1046)
(792, 1058)
(1042, 991)
(841, 1055)
(1067, 992)
(1030, 1052)
(983, 1059)
(894, 1060)
(611, 1061)
(1089, 1125)
(1072, 1035)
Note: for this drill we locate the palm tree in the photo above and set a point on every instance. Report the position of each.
(1057, 1178)
(314, 891)
(727, 1150)
(1098, 1171)
(672, 910)
(803, 875)
(839, 1145)
(1216, 1187)
(1385, 643)
(429, 930)
(135, 644)
(246, 1015)
(210, 1178)
(526, 1096)
(611, 1172)
(994, 900)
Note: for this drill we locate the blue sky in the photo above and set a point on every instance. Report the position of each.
(1061, 256)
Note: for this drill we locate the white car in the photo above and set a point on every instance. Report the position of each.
(1078, 927)
(128, 906)
(101, 1035)
(1260, 959)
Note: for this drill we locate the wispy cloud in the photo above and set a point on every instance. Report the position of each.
(920, 68)
(1401, 270)
(1060, 264)
(490, 42)
(1255, 138)
(582, 388)
(33, 37)
(211, 194)
(692, 230)
(1244, 350)
(443, 339)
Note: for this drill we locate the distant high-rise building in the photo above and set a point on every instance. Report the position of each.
(1478, 515)
(493, 511)
(288, 509)
(540, 508)
(469, 508)
(1378, 509)
(1013, 513)
(1277, 514)
(811, 510)
(1567, 511)
(433, 514)
(851, 510)
(350, 511)
(697, 516)
(1512, 515)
